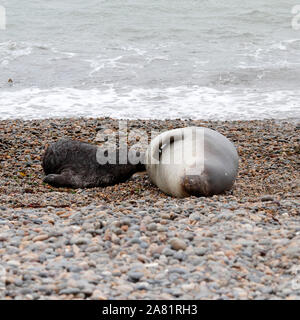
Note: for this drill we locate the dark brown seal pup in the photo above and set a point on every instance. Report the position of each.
(73, 164)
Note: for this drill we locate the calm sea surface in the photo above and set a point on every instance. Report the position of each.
(196, 59)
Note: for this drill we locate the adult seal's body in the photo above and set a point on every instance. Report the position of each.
(192, 161)
(75, 164)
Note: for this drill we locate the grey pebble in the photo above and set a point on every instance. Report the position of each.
(233, 251)
(69, 291)
(135, 276)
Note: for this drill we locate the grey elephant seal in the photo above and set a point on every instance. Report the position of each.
(74, 164)
(192, 161)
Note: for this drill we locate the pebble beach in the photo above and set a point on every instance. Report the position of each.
(131, 241)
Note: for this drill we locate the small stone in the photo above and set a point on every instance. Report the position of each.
(142, 286)
(165, 215)
(116, 273)
(106, 273)
(98, 295)
(266, 198)
(178, 244)
(41, 237)
(179, 255)
(177, 270)
(18, 282)
(69, 254)
(152, 227)
(135, 276)
(13, 263)
(194, 216)
(201, 251)
(240, 293)
(168, 252)
(69, 291)
(124, 227)
(3, 238)
(80, 241)
(188, 286)
(115, 239)
(144, 245)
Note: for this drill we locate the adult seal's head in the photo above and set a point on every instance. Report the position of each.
(192, 161)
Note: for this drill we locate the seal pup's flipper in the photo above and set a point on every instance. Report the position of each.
(55, 180)
(67, 178)
(64, 179)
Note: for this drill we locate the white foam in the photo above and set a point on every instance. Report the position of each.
(138, 51)
(68, 54)
(101, 63)
(159, 103)
(11, 50)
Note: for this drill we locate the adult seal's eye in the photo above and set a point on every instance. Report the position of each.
(160, 151)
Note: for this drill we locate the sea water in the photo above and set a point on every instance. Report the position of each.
(154, 59)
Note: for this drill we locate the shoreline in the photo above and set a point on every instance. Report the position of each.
(275, 120)
(131, 241)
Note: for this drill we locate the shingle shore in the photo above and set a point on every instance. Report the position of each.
(130, 241)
